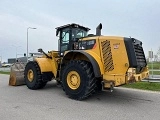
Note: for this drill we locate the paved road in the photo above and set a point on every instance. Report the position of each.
(50, 103)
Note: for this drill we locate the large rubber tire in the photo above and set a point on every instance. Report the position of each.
(98, 85)
(37, 82)
(87, 79)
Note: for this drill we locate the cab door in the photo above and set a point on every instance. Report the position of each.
(64, 41)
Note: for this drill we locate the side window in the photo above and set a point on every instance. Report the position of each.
(79, 34)
(65, 37)
(65, 40)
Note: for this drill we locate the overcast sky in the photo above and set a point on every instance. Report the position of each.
(136, 18)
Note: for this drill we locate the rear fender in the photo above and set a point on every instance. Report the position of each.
(86, 56)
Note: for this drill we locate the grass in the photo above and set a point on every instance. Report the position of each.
(144, 86)
(4, 72)
(154, 72)
(156, 65)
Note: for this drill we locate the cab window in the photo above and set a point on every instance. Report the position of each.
(65, 40)
(65, 37)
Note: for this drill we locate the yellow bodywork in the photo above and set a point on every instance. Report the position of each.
(120, 61)
(118, 72)
(114, 67)
(47, 64)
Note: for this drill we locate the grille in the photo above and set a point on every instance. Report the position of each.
(140, 57)
(136, 54)
(107, 56)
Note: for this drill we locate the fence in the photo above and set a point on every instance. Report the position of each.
(153, 77)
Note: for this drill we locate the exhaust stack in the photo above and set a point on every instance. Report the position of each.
(98, 29)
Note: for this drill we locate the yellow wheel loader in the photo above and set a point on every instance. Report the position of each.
(87, 63)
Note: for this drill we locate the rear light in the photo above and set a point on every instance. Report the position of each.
(94, 46)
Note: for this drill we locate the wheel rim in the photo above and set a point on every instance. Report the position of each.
(30, 75)
(73, 80)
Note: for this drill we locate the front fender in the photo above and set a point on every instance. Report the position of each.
(47, 65)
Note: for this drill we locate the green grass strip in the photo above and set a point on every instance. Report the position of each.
(4, 72)
(154, 72)
(144, 86)
(156, 65)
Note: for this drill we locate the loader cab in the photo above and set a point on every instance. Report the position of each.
(68, 35)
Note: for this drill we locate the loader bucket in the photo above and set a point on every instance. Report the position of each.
(17, 74)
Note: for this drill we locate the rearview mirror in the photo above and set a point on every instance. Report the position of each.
(40, 50)
(57, 32)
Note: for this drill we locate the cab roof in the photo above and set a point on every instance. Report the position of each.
(73, 25)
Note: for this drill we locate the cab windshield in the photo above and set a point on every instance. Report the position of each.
(78, 33)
